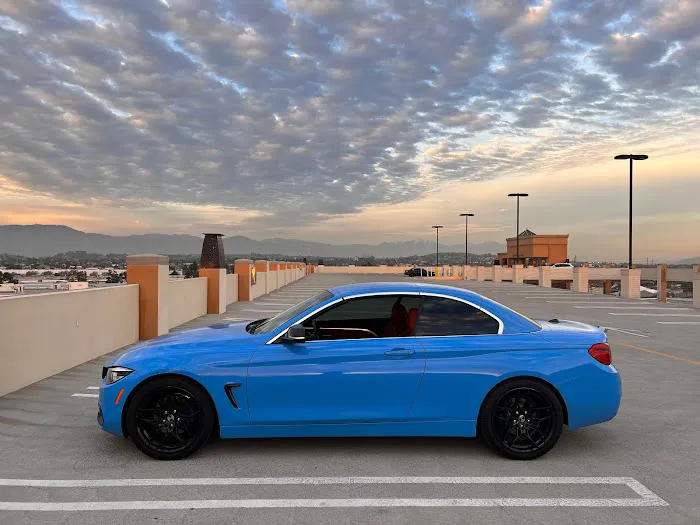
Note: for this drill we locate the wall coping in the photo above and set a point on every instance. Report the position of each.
(243, 261)
(147, 259)
(63, 292)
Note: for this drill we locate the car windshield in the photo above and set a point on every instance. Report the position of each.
(275, 322)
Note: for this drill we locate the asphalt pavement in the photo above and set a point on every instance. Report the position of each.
(642, 467)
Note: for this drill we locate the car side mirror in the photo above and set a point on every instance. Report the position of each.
(295, 334)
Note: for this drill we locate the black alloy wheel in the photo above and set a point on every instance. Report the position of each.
(170, 418)
(522, 419)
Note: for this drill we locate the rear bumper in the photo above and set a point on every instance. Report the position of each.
(594, 397)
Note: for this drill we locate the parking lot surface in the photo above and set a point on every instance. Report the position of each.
(57, 466)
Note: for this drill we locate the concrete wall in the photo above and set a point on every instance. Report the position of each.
(531, 273)
(272, 277)
(678, 274)
(259, 286)
(601, 274)
(231, 288)
(187, 300)
(44, 334)
(562, 274)
(363, 269)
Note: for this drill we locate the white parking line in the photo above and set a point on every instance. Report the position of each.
(632, 307)
(291, 297)
(92, 388)
(646, 497)
(309, 290)
(294, 292)
(551, 294)
(678, 322)
(330, 480)
(628, 331)
(653, 315)
(609, 301)
(78, 394)
(265, 303)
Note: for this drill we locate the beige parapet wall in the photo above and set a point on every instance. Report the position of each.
(363, 269)
(44, 334)
(187, 300)
(231, 288)
(259, 287)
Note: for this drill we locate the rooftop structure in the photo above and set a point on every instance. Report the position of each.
(535, 250)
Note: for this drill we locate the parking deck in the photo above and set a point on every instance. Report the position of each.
(640, 468)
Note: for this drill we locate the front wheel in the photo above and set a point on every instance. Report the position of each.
(522, 419)
(170, 417)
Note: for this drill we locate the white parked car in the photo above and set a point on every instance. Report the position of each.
(562, 265)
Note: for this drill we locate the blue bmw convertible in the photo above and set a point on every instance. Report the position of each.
(379, 359)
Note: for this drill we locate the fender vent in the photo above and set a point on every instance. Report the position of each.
(229, 393)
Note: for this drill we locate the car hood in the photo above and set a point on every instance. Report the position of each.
(215, 337)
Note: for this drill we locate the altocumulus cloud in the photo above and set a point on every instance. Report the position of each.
(306, 109)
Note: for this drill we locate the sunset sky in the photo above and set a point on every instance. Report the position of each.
(355, 121)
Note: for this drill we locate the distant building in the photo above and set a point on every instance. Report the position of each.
(535, 250)
(52, 284)
(7, 288)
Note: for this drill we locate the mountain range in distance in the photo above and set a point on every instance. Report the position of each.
(39, 240)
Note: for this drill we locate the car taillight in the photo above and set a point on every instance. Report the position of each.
(601, 353)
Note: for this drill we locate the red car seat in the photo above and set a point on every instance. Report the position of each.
(410, 322)
(398, 322)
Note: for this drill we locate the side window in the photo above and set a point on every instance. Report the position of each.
(441, 316)
(364, 318)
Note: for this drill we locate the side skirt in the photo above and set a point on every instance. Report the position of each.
(462, 428)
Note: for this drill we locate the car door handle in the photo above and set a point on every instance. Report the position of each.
(399, 352)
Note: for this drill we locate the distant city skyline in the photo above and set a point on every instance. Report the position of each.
(355, 122)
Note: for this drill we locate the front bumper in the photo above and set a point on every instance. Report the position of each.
(111, 402)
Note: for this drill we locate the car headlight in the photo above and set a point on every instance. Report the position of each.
(115, 373)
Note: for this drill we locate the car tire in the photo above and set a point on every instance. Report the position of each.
(156, 427)
(521, 419)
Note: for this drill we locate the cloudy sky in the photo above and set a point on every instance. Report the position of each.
(354, 121)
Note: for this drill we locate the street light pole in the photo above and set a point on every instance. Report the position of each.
(437, 249)
(631, 158)
(466, 236)
(517, 224)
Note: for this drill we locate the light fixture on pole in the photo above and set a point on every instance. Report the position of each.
(437, 249)
(631, 158)
(466, 236)
(517, 224)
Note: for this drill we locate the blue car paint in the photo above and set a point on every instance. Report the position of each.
(351, 388)
(350, 381)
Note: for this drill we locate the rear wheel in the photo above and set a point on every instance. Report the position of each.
(522, 419)
(170, 417)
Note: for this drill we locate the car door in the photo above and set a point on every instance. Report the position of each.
(460, 342)
(348, 377)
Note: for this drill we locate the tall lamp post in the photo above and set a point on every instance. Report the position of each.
(466, 236)
(437, 250)
(631, 158)
(517, 224)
